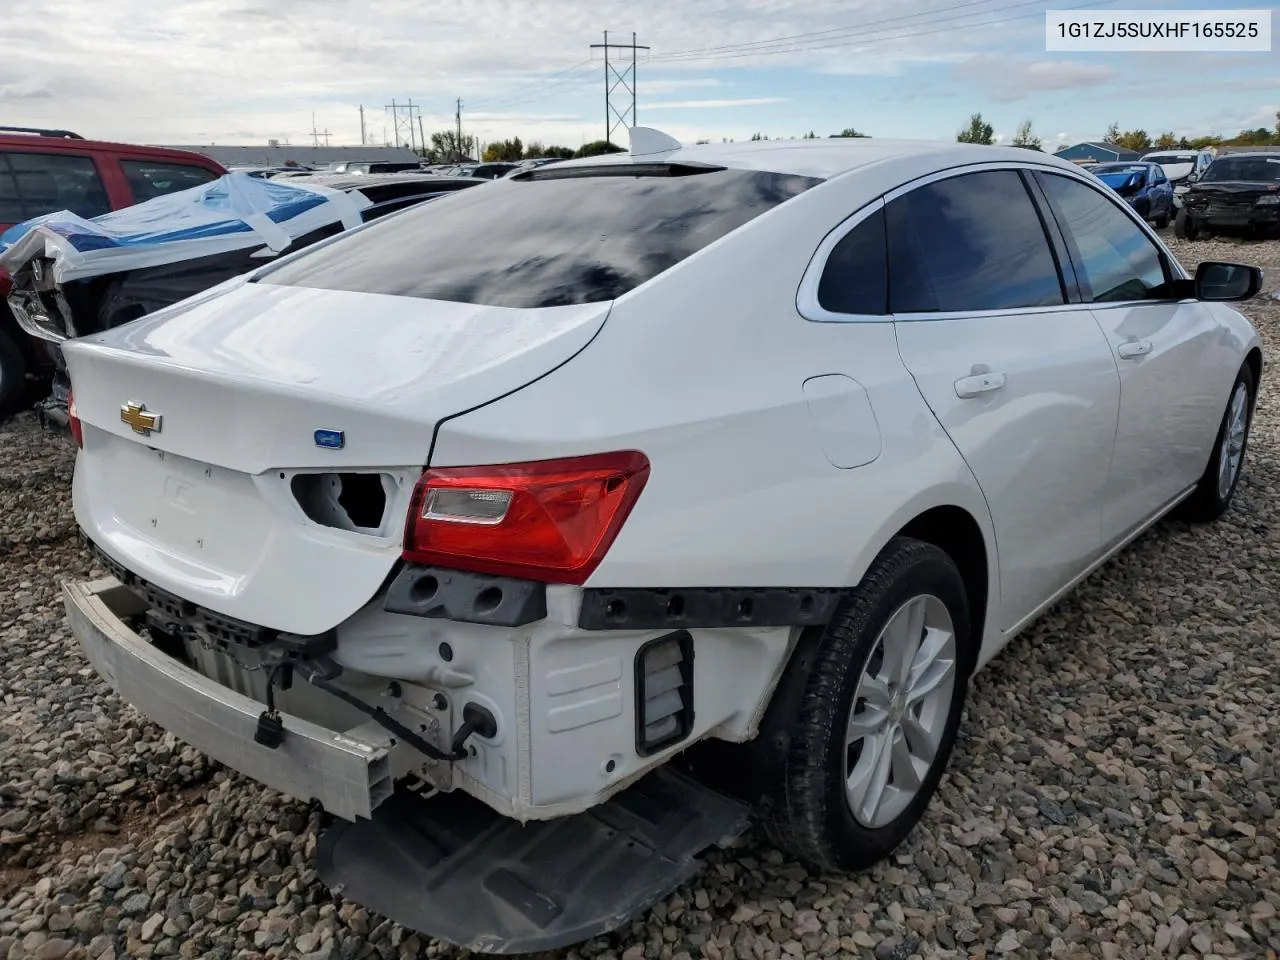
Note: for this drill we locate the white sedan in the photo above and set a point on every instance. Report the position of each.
(478, 515)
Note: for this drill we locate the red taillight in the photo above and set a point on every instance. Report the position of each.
(549, 520)
(73, 420)
(6, 283)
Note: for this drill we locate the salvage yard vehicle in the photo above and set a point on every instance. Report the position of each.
(44, 171)
(1240, 192)
(1182, 167)
(543, 534)
(1143, 186)
(68, 276)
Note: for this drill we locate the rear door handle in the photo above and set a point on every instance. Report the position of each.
(1132, 349)
(978, 384)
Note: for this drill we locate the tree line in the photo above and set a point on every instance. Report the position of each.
(979, 131)
(446, 147)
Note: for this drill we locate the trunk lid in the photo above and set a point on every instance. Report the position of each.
(225, 502)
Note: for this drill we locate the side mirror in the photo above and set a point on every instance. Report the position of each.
(1226, 281)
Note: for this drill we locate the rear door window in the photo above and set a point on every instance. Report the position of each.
(148, 180)
(551, 240)
(34, 184)
(969, 243)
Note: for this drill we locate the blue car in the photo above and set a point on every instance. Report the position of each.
(1143, 186)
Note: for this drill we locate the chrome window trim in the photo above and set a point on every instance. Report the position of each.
(807, 293)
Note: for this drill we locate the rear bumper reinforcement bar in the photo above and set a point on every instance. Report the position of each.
(349, 773)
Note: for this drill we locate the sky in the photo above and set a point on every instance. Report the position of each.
(245, 71)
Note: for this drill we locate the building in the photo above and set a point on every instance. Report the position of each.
(1096, 152)
(274, 154)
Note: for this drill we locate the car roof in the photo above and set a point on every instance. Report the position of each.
(54, 144)
(824, 159)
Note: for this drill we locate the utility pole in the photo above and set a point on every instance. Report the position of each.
(422, 137)
(362, 141)
(458, 116)
(614, 78)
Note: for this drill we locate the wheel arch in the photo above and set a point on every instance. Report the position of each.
(952, 529)
(1253, 359)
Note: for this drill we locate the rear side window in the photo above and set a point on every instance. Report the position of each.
(149, 180)
(34, 184)
(856, 276)
(542, 243)
(972, 242)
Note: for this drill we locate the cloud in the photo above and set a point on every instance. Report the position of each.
(714, 104)
(1006, 79)
(24, 90)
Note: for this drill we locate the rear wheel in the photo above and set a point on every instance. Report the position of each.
(880, 713)
(13, 375)
(1185, 226)
(1218, 483)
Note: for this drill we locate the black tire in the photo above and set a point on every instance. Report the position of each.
(812, 818)
(1162, 221)
(1185, 226)
(1209, 502)
(13, 375)
(119, 307)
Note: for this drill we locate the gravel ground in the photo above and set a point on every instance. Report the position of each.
(1113, 795)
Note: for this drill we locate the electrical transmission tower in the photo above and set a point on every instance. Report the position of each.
(402, 115)
(317, 134)
(615, 78)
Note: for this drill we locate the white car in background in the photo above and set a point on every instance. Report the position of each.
(1182, 167)
(479, 515)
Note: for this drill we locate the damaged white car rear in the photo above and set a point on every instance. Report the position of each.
(466, 523)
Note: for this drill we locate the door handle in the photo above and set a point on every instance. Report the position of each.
(1132, 349)
(978, 384)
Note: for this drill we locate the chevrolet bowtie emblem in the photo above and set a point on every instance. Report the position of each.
(137, 416)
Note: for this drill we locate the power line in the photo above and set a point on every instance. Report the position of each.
(548, 90)
(686, 54)
(488, 101)
(860, 40)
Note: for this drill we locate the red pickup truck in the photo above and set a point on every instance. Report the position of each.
(44, 171)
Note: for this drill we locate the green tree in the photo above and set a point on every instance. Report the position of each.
(1199, 143)
(847, 132)
(978, 131)
(759, 136)
(504, 151)
(810, 136)
(446, 148)
(1184, 143)
(1025, 137)
(1136, 140)
(1166, 141)
(598, 148)
(1113, 134)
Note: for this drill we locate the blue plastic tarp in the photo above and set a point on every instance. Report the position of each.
(234, 212)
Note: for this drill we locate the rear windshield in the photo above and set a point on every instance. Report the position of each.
(543, 243)
(1255, 169)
